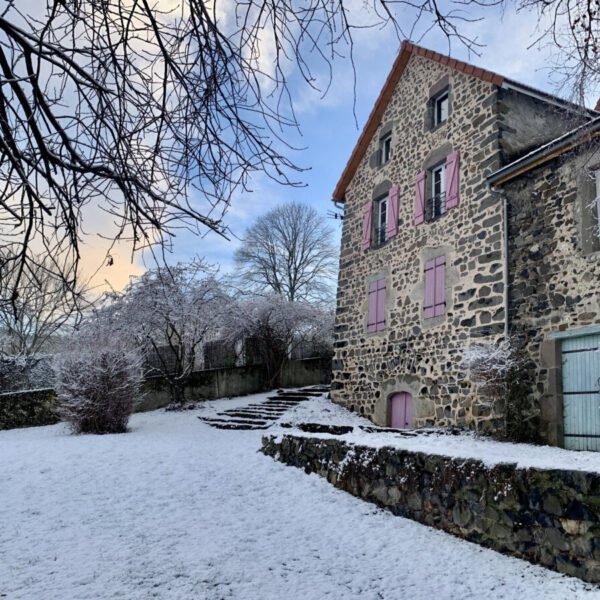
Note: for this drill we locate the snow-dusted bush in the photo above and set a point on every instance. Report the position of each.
(169, 312)
(98, 382)
(499, 374)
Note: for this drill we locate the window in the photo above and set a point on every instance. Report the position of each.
(376, 314)
(386, 148)
(437, 188)
(381, 217)
(588, 210)
(435, 287)
(441, 106)
(597, 202)
(437, 199)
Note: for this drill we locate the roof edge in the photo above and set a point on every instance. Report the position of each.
(407, 49)
(546, 152)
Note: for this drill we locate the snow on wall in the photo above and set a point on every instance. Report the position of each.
(549, 517)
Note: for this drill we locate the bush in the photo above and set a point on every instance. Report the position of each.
(499, 372)
(98, 384)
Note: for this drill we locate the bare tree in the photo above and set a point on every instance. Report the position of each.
(277, 326)
(169, 311)
(156, 115)
(40, 309)
(572, 30)
(289, 251)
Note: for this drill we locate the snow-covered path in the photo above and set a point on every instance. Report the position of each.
(176, 509)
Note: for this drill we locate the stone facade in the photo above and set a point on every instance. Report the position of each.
(554, 269)
(488, 126)
(549, 517)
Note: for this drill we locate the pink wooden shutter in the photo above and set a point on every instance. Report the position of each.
(452, 183)
(429, 306)
(372, 314)
(440, 286)
(367, 216)
(392, 224)
(380, 325)
(419, 216)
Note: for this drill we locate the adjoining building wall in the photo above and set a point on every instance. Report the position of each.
(413, 354)
(554, 279)
(527, 123)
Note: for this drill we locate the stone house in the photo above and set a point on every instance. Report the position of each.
(468, 216)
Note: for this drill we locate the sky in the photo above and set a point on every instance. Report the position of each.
(330, 127)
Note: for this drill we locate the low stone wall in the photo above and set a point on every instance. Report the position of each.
(27, 409)
(237, 381)
(549, 517)
(38, 407)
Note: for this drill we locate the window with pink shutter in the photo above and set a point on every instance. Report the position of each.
(419, 209)
(376, 311)
(435, 287)
(452, 179)
(367, 216)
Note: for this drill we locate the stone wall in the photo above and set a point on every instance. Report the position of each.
(27, 409)
(237, 381)
(549, 517)
(554, 269)
(38, 407)
(488, 126)
(411, 354)
(526, 123)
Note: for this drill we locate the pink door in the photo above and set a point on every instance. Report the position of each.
(401, 409)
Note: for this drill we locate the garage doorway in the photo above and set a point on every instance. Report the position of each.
(581, 392)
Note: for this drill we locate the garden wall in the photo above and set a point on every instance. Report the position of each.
(237, 381)
(37, 407)
(549, 517)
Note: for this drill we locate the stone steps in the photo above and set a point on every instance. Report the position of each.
(259, 415)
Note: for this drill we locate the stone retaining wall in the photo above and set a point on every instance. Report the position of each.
(27, 409)
(549, 517)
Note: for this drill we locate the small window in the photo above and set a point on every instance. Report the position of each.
(589, 210)
(381, 217)
(386, 149)
(440, 106)
(437, 198)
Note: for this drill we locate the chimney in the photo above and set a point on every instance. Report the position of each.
(597, 107)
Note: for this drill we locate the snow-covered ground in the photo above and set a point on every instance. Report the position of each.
(464, 445)
(178, 510)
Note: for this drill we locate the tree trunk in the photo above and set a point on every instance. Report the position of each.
(177, 389)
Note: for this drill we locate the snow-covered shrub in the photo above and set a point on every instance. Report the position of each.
(98, 382)
(499, 374)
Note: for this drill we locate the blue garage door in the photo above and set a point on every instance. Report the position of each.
(581, 392)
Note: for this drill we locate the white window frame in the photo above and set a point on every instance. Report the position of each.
(438, 101)
(381, 218)
(441, 171)
(386, 149)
